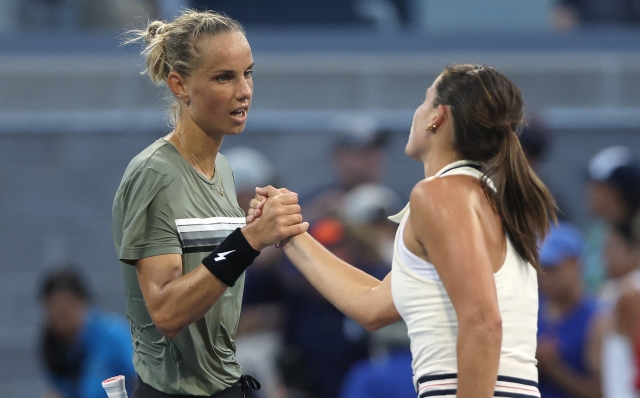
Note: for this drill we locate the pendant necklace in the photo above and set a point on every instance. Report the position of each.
(218, 187)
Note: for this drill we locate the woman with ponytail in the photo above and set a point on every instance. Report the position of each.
(177, 226)
(463, 276)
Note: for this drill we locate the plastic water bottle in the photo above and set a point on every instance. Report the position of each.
(115, 388)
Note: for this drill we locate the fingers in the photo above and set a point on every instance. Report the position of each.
(279, 209)
(256, 203)
(252, 214)
(269, 191)
(299, 228)
(286, 199)
(292, 230)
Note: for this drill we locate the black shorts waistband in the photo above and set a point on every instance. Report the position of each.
(143, 390)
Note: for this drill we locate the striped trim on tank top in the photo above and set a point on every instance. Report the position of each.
(445, 386)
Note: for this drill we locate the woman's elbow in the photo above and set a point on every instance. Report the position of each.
(492, 327)
(488, 324)
(168, 333)
(166, 325)
(373, 325)
(378, 320)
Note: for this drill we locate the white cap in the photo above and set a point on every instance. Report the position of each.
(605, 162)
(366, 203)
(250, 168)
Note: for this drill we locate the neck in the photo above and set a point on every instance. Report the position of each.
(436, 160)
(196, 147)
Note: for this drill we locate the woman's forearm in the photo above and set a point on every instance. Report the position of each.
(180, 302)
(479, 343)
(358, 295)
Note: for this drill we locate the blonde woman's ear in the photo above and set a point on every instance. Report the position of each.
(178, 87)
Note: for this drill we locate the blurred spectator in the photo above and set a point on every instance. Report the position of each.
(572, 13)
(628, 325)
(81, 345)
(387, 373)
(535, 139)
(87, 14)
(613, 196)
(259, 337)
(358, 157)
(251, 169)
(310, 12)
(365, 209)
(619, 293)
(348, 217)
(569, 327)
(628, 307)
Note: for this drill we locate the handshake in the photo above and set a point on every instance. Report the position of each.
(274, 216)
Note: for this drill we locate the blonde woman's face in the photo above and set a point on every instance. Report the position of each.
(221, 86)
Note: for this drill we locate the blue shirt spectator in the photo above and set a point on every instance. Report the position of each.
(388, 377)
(82, 345)
(569, 325)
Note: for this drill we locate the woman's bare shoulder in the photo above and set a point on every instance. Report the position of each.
(439, 194)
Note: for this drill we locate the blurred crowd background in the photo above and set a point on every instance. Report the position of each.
(336, 84)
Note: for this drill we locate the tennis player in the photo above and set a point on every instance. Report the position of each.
(178, 230)
(464, 267)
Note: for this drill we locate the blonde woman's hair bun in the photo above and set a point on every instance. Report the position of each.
(154, 29)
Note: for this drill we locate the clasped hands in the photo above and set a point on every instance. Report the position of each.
(274, 216)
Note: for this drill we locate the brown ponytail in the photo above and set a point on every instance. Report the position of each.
(523, 201)
(487, 111)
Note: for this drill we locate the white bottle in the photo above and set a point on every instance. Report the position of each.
(114, 386)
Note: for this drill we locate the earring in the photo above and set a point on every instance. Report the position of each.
(186, 103)
(431, 127)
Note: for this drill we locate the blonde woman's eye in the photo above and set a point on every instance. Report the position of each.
(223, 78)
(248, 73)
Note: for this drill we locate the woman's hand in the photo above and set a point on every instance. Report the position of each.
(279, 218)
(256, 204)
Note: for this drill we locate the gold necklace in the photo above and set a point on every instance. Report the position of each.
(216, 175)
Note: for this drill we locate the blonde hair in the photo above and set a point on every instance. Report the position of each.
(172, 46)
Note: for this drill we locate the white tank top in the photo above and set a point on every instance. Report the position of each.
(423, 303)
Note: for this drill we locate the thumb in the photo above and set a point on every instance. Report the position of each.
(268, 191)
(285, 190)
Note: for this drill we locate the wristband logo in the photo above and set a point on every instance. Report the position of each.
(222, 256)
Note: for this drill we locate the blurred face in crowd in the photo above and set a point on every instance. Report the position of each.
(606, 202)
(359, 165)
(620, 256)
(65, 314)
(559, 282)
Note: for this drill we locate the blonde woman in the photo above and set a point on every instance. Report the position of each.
(178, 230)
